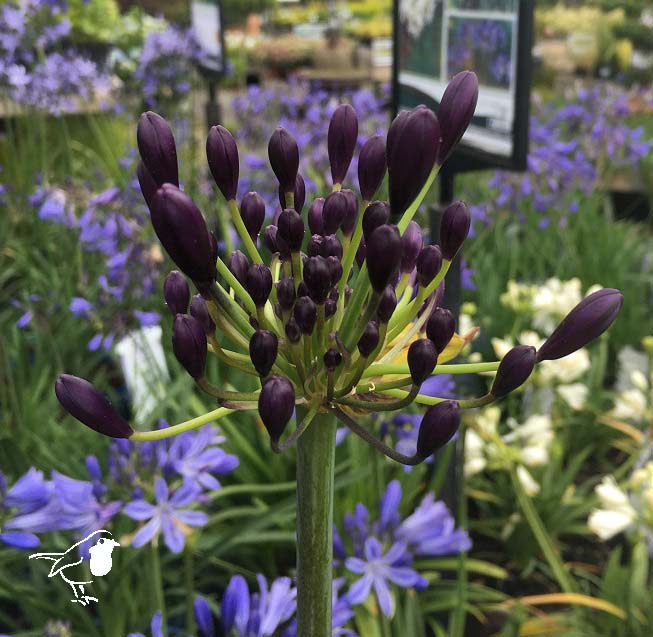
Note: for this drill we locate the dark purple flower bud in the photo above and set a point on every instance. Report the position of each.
(383, 256)
(429, 263)
(330, 308)
(284, 158)
(200, 311)
(412, 157)
(156, 144)
(456, 110)
(222, 155)
(369, 340)
(454, 228)
(291, 229)
(238, 264)
(147, 184)
(176, 292)
(422, 358)
(258, 283)
(332, 246)
(270, 239)
(439, 294)
(302, 288)
(440, 328)
(371, 166)
(387, 304)
(332, 358)
(305, 313)
(377, 214)
(292, 330)
(263, 348)
(315, 222)
(395, 130)
(341, 141)
(317, 278)
(286, 293)
(411, 245)
(315, 246)
(182, 230)
(587, 321)
(276, 404)
(84, 402)
(252, 211)
(299, 195)
(335, 268)
(439, 424)
(334, 211)
(189, 344)
(514, 369)
(361, 253)
(349, 222)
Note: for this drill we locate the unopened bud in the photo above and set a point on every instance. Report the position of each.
(286, 293)
(176, 292)
(291, 229)
(332, 358)
(454, 228)
(305, 313)
(429, 263)
(189, 344)
(258, 283)
(371, 166)
(252, 211)
(156, 145)
(222, 155)
(369, 340)
(299, 195)
(456, 110)
(200, 311)
(514, 369)
(422, 358)
(438, 426)
(276, 404)
(315, 222)
(383, 256)
(263, 348)
(341, 141)
(387, 304)
(377, 214)
(238, 264)
(334, 212)
(440, 328)
(284, 158)
(411, 244)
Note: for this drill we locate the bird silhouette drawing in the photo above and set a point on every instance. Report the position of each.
(64, 564)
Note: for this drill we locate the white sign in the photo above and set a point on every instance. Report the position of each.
(206, 23)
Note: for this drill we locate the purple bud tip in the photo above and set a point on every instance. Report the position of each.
(454, 228)
(332, 358)
(238, 264)
(299, 195)
(176, 292)
(315, 223)
(189, 344)
(349, 222)
(292, 330)
(290, 228)
(387, 304)
(341, 141)
(514, 370)
(315, 246)
(182, 230)
(332, 247)
(383, 256)
(377, 214)
(147, 183)
(429, 263)
(587, 321)
(335, 268)
(84, 402)
(439, 424)
(286, 293)
(334, 212)
(305, 313)
(369, 340)
(422, 358)
(258, 282)
(411, 243)
(156, 145)
(252, 211)
(440, 328)
(371, 166)
(270, 239)
(263, 348)
(222, 155)
(200, 311)
(456, 111)
(284, 158)
(411, 156)
(317, 277)
(276, 404)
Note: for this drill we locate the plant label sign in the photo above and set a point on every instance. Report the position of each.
(206, 20)
(435, 39)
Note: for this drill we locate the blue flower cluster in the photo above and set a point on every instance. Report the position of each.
(176, 473)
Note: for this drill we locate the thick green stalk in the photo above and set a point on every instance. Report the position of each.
(315, 479)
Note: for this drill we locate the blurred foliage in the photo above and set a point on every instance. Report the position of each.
(94, 20)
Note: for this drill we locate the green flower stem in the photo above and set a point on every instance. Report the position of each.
(402, 285)
(225, 231)
(290, 201)
(250, 248)
(315, 485)
(189, 585)
(188, 425)
(472, 403)
(232, 309)
(457, 628)
(412, 209)
(361, 288)
(459, 368)
(228, 358)
(351, 337)
(405, 399)
(353, 379)
(297, 268)
(348, 260)
(233, 282)
(399, 383)
(224, 394)
(157, 578)
(420, 399)
(225, 326)
(539, 531)
(414, 329)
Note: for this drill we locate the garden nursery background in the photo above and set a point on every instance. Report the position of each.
(536, 519)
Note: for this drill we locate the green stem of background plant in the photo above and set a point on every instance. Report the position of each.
(157, 578)
(315, 483)
(460, 611)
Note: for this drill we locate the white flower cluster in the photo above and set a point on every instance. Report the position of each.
(526, 445)
(635, 387)
(416, 14)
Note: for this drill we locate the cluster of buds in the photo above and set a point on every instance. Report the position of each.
(343, 316)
